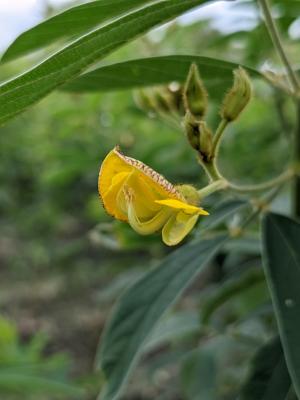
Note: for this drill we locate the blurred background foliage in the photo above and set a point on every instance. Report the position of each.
(64, 261)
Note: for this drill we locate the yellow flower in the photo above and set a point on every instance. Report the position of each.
(133, 192)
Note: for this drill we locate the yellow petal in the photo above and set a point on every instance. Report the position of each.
(180, 205)
(177, 227)
(147, 226)
(148, 184)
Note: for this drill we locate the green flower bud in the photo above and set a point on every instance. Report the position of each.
(191, 127)
(176, 91)
(205, 141)
(238, 96)
(163, 100)
(143, 100)
(195, 94)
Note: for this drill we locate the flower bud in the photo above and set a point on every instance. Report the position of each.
(176, 91)
(238, 96)
(191, 127)
(205, 141)
(195, 94)
(162, 100)
(143, 100)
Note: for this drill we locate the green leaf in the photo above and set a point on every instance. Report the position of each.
(68, 24)
(228, 290)
(222, 211)
(269, 378)
(217, 74)
(198, 376)
(26, 383)
(281, 249)
(140, 308)
(173, 328)
(19, 93)
(249, 244)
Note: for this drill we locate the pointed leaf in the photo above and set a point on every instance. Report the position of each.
(269, 378)
(199, 375)
(68, 24)
(142, 305)
(25, 90)
(281, 248)
(217, 74)
(222, 211)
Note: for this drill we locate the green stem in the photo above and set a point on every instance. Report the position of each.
(211, 170)
(285, 176)
(275, 36)
(213, 187)
(218, 136)
(296, 195)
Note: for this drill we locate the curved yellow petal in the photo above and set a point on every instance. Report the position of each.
(113, 173)
(180, 205)
(149, 226)
(177, 227)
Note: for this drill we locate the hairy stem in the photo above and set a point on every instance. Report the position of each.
(218, 136)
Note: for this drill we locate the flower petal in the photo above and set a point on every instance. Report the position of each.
(177, 227)
(148, 226)
(180, 205)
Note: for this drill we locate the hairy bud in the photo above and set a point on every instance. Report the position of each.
(205, 141)
(238, 96)
(195, 94)
(191, 127)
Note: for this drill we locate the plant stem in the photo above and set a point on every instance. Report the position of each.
(218, 136)
(296, 194)
(211, 170)
(285, 176)
(213, 187)
(274, 33)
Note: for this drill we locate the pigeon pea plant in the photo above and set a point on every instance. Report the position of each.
(134, 193)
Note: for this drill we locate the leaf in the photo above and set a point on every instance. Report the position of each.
(26, 383)
(249, 244)
(281, 250)
(25, 90)
(217, 74)
(269, 378)
(140, 308)
(68, 24)
(198, 375)
(222, 211)
(172, 328)
(228, 290)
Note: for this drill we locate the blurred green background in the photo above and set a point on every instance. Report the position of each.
(63, 261)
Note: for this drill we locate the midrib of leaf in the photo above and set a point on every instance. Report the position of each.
(66, 64)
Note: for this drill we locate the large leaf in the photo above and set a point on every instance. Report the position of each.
(26, 383)
(68, 24)
(19, 93)
(174, 328)
(140, 308)
(281, 247)
(217, 74)
(199, 375)
(222, 212)
(269, 378)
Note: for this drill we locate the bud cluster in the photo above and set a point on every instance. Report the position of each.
(195, 100)
(161, 100)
